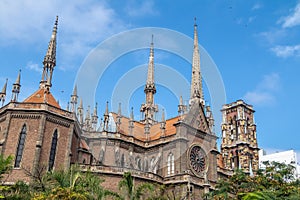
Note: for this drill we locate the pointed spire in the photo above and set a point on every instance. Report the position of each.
(149, 108)
(16, 88)
(163, 123)
(131, 114)
(119, 110)
(80, 104)
(181, 108)
(18, 80)
(80, 112)
(119, 117)
(106, 117)
(150, 77)
(180, 100)
(3, 93)
(75, 91)
(196, 82)
(49, 60)
(74, 99)
(4, 87)
(163, 115)
(95, 110)
(95, 118)
(131, 122)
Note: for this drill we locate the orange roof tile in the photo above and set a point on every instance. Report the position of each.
(39, 96)
(138, 131)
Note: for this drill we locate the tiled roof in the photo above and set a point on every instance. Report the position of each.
(138, 131)
(41, 97)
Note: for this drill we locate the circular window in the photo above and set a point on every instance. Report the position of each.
(197, 160)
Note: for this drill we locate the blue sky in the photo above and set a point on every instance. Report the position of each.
(255, 45)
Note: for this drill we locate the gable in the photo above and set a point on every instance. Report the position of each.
(196, 118)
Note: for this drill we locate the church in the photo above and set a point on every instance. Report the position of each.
(180, 152)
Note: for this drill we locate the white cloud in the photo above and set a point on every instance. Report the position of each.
(270, 82)
(82, 25)
(293, 19)
(263, 94)
(140, 8)
(34, 67)
(286, 51)
(257, 6)
(258, 97)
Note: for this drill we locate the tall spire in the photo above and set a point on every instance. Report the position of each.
(3, 93)
(95, 118)
(150, 77)
(196, 82)
(74, 99)
(106, 117)
(119, 117)
(49, 60)
(80, 112)
(149, 108)
(16, 88)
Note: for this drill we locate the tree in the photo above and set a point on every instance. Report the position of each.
(5, 165)
(130, 192)
(276, 181)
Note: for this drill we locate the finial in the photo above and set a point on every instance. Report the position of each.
(163, 115)
(152, 39)
(95, 109)
(119, 110)
(4, 87)
(80, 103)
(106, 109)
(75, 91)
(180, 100)
(56, 21)
(18, 78)
(195, 21)
(131, 114)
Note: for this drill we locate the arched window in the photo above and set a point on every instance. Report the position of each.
(170, 164)
(53, 151)
(152, 164)
(20, 148)
(122, 161)
(138, 163)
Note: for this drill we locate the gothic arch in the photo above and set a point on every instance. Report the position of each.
(53, 149)
(170, 164)
(21, 145)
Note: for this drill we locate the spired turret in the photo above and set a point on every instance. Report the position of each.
(16, 88)
(3, 93)
(49, 61)
(149, 109)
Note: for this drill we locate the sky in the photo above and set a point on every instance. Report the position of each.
(253, 45)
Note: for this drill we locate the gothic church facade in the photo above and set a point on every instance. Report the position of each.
(180, 151)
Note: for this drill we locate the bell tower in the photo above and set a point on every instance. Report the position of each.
(239, 147)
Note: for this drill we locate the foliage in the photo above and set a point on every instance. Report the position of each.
(276, 181)
(5, 165)
(130, 192)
